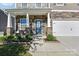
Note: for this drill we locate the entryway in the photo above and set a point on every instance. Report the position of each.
(38, 26)
(38, 23)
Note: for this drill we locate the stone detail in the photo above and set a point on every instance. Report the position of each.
(49, 30)
(9, 31)
(65, 19)
(65, 15)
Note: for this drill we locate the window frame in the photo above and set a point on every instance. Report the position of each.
(59, 4)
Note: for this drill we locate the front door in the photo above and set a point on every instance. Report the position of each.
(38, 26)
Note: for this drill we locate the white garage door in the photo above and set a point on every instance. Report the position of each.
(65, 28)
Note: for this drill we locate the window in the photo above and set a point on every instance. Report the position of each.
(31, 5)
(24, 5)
(38, 4)
(23, 23)
(59, 4)
(45, 5)
(18, 5)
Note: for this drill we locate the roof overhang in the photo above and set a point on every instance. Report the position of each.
(31, 11)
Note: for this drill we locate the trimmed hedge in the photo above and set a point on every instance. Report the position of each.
(50, 37)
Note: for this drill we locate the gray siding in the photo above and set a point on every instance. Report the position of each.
(64, 14)
(65, 19)
(67, 6)
(3, 21)
(13, 23)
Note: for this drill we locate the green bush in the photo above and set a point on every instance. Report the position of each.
(28, 37)
(11, 38)
(50, 37)
(16, 38)
(2, 38)
(14, 50)
(25, 38)
(19, 38)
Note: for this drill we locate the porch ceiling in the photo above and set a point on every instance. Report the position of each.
(31, 11)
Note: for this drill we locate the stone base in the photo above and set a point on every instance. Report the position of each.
(9, 31)
(49, 30)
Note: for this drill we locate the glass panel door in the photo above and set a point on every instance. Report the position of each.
(38, 26)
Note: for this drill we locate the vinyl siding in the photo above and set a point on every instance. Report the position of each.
(3, 21)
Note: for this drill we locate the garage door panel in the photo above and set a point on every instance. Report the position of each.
(65, 28)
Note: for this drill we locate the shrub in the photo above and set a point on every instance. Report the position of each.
(2, 38)
(13, 50)
(19, 38)
(11, 38)
(50, 37)
(28, 37)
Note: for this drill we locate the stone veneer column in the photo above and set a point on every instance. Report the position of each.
(9, 25)
(27, 17)
(49, 29)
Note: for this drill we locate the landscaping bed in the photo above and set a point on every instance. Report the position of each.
(50, 37)
(15, 45)
(14, 50)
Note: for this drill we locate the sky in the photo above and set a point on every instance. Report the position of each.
(7, 5)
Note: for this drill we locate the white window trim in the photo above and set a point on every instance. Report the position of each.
(36, 6)
(60, 4)
(45, 6)
(21, 5)
(42, 6)
(49, 5)
(15, 5)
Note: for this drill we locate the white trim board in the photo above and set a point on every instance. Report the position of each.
(65, 10)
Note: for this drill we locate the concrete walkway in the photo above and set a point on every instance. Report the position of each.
(53, 49)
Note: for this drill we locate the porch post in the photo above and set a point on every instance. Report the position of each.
(27, 18)
(48, 20)
(49, 31)
(15, 23)
(9, 24)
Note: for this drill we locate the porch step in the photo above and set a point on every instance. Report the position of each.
(35, 44)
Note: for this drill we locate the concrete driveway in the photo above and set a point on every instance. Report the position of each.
(71, 42)
(53, 49)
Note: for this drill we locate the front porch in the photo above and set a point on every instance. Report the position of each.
(31, 15)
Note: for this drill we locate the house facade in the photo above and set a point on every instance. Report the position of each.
(59, 19)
